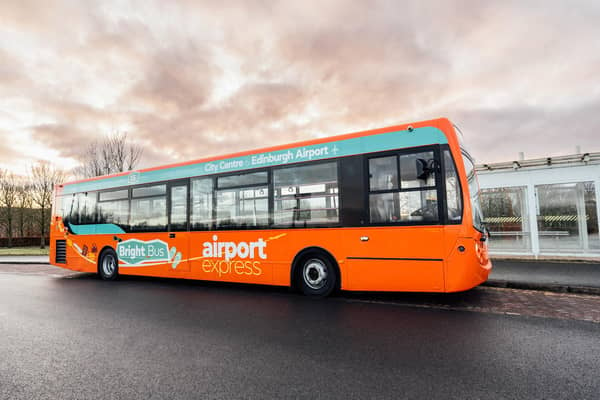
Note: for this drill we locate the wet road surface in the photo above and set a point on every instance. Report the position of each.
(69, 335)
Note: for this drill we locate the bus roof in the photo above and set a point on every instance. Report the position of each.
(396, 136)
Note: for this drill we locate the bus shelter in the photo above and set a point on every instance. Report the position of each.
(544, 207)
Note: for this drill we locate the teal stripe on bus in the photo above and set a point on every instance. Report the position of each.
(96, 229)
(340, 148)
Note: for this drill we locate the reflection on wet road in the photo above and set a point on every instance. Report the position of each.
(65, 335)
(481, 299)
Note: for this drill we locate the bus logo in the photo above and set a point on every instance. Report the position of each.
(134, 251)
(224, 258)
(231, 250)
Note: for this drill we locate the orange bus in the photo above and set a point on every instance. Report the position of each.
(391, 209)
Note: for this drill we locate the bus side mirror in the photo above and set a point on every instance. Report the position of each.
(423, 168)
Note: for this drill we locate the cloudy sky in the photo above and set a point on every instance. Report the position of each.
(188, 79)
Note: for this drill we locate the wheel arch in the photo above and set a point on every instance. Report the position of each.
(303, 254)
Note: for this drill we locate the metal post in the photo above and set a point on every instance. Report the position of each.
(581, 217)
(532, 211)
(597, 199)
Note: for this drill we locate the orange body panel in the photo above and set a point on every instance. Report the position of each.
(392, 258)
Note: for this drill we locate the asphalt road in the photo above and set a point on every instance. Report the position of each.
(73, 336)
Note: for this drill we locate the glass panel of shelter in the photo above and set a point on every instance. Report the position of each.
(566, 217)
(506, 216)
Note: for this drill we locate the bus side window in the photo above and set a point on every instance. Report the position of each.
(201, 216)
(113, 207)
(68, 202)
(383, 173)
(243, 200)
(417, 170)
(306, 195)
(87, 208)
(178, 212)
(149, 208)
(413, 200)
(453, 193)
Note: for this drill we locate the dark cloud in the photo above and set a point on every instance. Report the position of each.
(70, 141)
(174, 79)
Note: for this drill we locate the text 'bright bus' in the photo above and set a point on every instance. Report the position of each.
(391, 209)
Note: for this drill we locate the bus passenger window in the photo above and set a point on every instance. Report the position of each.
(306, 195)
(178, 212)
(113, 212)
(87, 208)
(382, 207)
(453, 194)
(113, 207)
(419, 205)
(245, 206)
(69, 209)
(202, 204)
(414, 177)
(414, 200)
(383, 173)
(149, 208)
(251, 178)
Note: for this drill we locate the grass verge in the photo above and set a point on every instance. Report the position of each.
(23, 251)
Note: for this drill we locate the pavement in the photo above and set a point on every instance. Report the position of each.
(24, 260)
(553, 276)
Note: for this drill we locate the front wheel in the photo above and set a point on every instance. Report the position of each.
(318, 276)
(108, 267)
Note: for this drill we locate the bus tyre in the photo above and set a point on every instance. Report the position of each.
(108, 267)
(318, 276)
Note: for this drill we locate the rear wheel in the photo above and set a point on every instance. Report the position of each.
(108, 266)
(317, 276)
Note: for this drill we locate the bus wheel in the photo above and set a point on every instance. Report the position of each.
(318, 276)
(108, 267)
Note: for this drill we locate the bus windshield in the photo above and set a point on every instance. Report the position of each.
(473, 190)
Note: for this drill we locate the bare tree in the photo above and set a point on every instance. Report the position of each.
(24, 203)
(8, 199)
(44, 178)
(91, 162)
(113, 154)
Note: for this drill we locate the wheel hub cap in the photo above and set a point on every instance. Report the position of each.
(315, 274)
